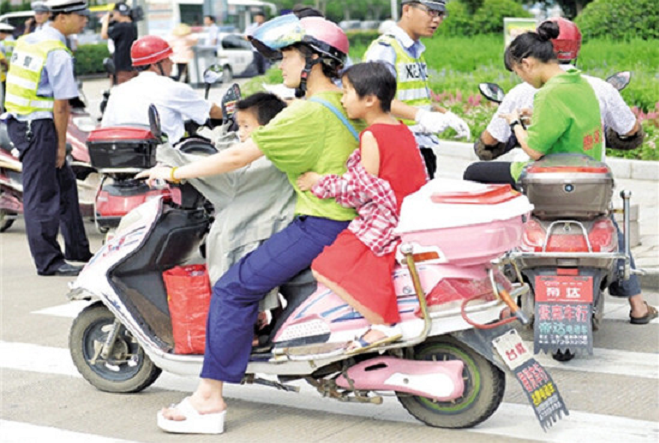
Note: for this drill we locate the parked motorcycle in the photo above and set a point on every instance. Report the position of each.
(569, 251)
(449, 368)
(11, 185)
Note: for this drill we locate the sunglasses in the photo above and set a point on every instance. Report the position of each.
(431, 12)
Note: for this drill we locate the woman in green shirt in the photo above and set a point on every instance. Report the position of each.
(566, 115)
(309, 135)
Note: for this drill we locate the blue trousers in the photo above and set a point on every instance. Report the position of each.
(236, 295)
(50, 197)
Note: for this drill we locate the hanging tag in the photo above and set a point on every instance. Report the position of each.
(540, 389)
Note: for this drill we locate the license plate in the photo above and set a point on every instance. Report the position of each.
(564, 288)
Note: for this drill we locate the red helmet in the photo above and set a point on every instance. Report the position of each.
(568, 42)
(149, 49)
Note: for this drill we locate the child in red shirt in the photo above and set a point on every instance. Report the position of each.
(387, 167)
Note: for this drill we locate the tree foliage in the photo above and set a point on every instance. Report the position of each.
(338, 10)
(487, 19)
(571, 8)
(620, 19)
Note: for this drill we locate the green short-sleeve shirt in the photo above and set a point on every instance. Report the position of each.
(566, 119)
(306, 136)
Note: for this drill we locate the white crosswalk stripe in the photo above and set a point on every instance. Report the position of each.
(512, 420)
(15, 432)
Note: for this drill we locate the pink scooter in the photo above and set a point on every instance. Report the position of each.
(448, 370)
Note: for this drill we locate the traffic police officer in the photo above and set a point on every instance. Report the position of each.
(41, 14)
(40, 83)
(6, 48)
(401, 49)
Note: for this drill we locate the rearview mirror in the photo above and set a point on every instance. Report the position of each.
(492, 92)
(213, 74)
(620, 80)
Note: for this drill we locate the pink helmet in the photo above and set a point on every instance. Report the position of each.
(322, 36)
(325, 37)
(568, 42)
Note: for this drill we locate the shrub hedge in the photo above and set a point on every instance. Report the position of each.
(89, 58)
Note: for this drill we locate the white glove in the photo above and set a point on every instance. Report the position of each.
(435, 122)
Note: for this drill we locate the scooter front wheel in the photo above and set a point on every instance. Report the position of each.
(484, 387)
(126, 369)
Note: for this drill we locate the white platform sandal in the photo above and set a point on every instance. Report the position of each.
(194, 423)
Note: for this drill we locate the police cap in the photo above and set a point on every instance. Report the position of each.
(435, 5)
(39, 7)
(67, 6)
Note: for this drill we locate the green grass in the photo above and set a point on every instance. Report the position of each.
(458, 64)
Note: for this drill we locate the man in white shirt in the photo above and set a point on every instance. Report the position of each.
(212, 31)
(176, 102)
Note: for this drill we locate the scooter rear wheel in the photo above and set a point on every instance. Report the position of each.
(6, 219)
(484, 387)
(127, 369)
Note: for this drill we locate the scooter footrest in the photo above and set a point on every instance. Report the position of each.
(311, 351)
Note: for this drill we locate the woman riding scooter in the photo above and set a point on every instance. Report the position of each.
(309, 135)
(623, 131)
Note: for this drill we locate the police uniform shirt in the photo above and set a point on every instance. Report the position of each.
(176, 102)
(57, 78)
(615, 112)
(387, 54)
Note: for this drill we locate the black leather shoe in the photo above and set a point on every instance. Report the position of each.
(84, 259)
(67, 270)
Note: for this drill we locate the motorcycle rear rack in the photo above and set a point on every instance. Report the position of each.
(566, 223)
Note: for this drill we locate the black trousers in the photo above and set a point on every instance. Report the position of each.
(490, 172)
(430, 159)
(50, 197)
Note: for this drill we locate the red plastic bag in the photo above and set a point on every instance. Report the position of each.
(189, 296)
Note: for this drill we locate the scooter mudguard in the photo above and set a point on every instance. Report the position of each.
(564, 309)
(11, 203)
(438, 380)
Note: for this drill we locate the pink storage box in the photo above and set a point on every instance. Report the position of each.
(466, 223)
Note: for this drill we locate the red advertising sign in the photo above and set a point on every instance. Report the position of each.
(564, 289)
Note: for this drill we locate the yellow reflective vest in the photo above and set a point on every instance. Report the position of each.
(27, 63)
(412, 87)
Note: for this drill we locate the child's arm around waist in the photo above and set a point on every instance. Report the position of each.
(346, 189)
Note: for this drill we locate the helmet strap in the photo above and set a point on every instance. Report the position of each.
(301, 90)
(159, 65)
